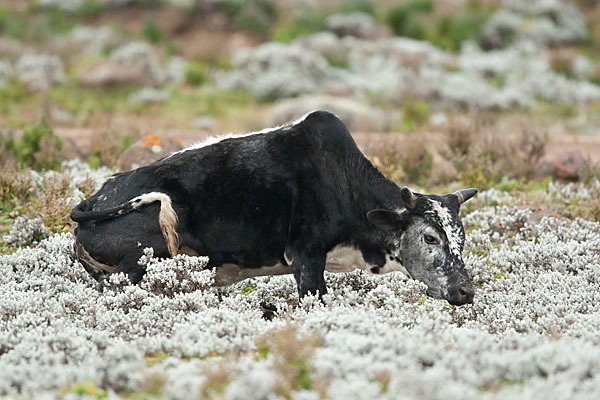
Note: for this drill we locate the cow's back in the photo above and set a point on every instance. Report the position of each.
(238, 199)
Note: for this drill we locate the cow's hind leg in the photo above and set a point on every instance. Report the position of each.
(99, 276)
(130, 267)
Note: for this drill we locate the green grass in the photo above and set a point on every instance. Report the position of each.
(195, 74)
(189, 102)
(406, 19)
(256, 16)
(307, 21)
(418, 19)
(88, 389)
(78, 100)
(151, 32)
(416, 113)
(249, 288)
(11, 96)
(91, 9)
(155, 358)
(37, 24)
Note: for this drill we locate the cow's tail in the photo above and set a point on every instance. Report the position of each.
(167, 218)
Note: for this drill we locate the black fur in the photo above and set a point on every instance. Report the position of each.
(299, 190)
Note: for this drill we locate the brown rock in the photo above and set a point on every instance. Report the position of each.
(146, 151)
(113, 74)
(568, 165)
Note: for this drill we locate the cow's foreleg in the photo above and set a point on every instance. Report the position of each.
(309, 274)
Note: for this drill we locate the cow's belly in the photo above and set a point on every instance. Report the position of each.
(228, 274)
(339, 259)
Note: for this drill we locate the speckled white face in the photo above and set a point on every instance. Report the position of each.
(451, 228)
(431, 249)
(424, 254)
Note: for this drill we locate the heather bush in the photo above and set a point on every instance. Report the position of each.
(530, 330)
(484, 155)
(26, 231)
(40, 72)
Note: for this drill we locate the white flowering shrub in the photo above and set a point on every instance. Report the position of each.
(181, 274)
(63, 5)
(79, 172)
(275, 70)
(175, 70)
(93, 41)
(40, 72)
(531, 330)
(545, 22)
(392, 69)
(141, 55)
(25, 231)
(147, 95)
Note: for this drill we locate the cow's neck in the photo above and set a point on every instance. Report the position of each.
(376, 191)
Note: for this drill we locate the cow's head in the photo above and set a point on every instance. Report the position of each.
(425, 240)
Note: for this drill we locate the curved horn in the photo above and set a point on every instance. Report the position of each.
(465, 194)
(408, 197)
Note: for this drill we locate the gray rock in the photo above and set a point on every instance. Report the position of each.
(10, 49)
(112, 74)
(357, 24)
(141, 55)
(568, 165)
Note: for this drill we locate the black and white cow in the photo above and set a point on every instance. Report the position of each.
(292, 199)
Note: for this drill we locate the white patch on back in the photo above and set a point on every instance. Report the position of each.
(451, 230)
(216, 139)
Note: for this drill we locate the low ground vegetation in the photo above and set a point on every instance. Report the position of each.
(532, 329)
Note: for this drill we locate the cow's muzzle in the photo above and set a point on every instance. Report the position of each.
(460, 295)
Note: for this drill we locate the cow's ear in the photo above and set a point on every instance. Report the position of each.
(386, 220)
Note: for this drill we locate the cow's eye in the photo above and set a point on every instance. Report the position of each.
(430, 239)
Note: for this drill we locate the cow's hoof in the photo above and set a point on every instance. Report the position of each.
(269, 311)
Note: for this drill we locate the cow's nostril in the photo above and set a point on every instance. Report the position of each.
(467, 293)
(461, 295)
